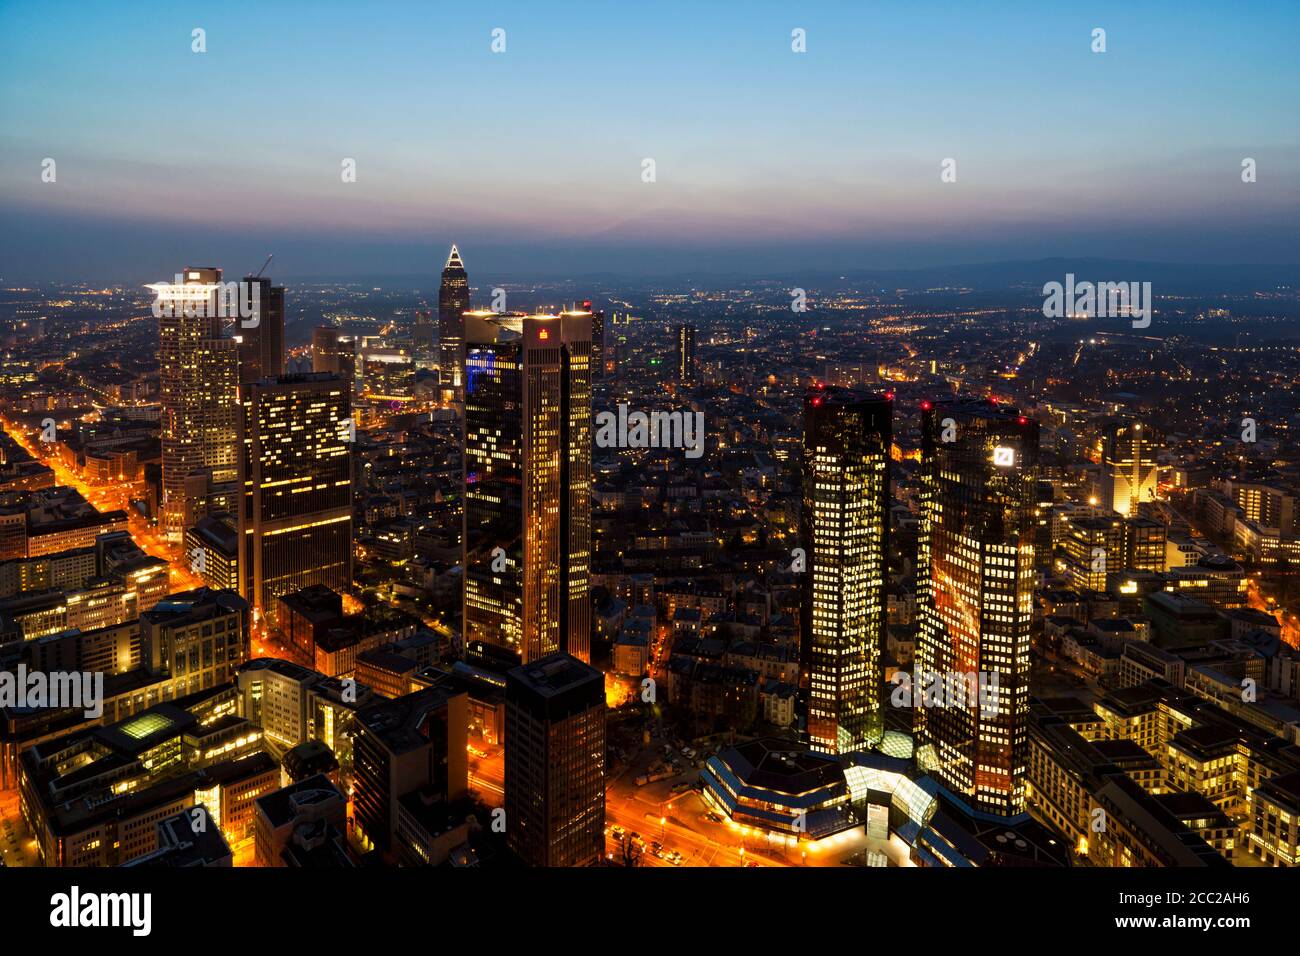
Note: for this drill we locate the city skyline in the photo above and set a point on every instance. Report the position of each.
(551, 440)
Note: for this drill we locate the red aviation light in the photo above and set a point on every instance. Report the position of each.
(926, 406)
(1024, 420)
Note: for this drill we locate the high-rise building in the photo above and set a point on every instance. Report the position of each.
(555, 762)
(685, 336)
(527, 507)
(975, 584)
(845, 528)
(333, 352)
(198, 382)
(1128, 466)
(422, 338)
(261, 342)
(295, 519)
(453, 303)
(414, 743)
(597, 339)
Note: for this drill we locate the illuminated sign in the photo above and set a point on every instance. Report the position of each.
(1004, 457)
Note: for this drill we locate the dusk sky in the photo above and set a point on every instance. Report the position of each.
(766, 160)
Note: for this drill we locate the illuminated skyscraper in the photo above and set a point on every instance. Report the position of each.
(295, 520)
(597, 340)
(975, 584)
(261, 344)
(198, 381)
(527, 510)
(555, 762)
(845, 528)
(1093, 547)
(1128, 466)
(685, 335)
(453, 303)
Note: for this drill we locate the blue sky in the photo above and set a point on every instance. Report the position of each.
(531, 159)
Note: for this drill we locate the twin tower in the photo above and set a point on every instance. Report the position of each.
(975, 582)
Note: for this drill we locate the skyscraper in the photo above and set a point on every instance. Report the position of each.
(198, 381)
(597, 340)
(685, 335)
(333, 352)
(1128, 465)
(261, 344)
(845, 527)
(555, 762)
(422, 338)
(527, 509)
(453, 303)
(295, 520)
(975, 584)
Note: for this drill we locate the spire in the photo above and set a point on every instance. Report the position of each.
(454, 260)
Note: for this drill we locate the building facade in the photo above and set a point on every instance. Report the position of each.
(845, 531)
(555, 762)
(199, 390)
(453, 303)
(1128, 466)
(527, 480)
(295, 519)
(976, 578)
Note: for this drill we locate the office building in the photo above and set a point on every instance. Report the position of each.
(198, 381)
(527, 514)
(261, 337)
(212, 552)
(423, 340)
(295, 520)
(975, 578)
(845, 527)
(555, 762)
(302, 818)
(333, 352)
(453, 303)
(1128, 466)
(416, 742)
(597, 339)
(1093, 547)
(197, 638)
(685, 338)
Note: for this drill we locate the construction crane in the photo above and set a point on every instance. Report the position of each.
(258, 274)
